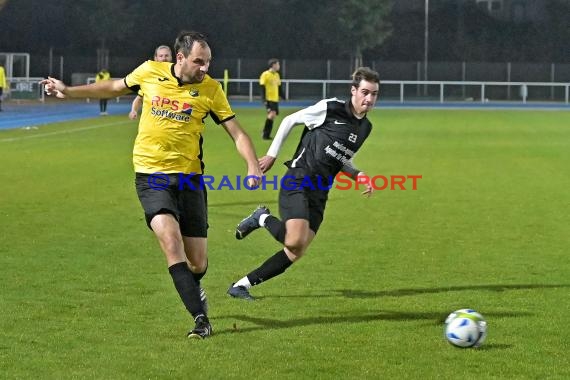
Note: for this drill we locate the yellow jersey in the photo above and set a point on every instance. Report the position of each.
(102, 75)
(271, 80)
(169, 138)
(3, 83)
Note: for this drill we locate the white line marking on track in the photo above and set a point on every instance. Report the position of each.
(55, 133)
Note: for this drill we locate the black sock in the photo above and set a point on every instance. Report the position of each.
(276, 228)
(267, 128)
(199, 276)
(187, 288)
(274, 266)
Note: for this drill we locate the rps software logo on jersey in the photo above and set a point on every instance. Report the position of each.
(170, 108)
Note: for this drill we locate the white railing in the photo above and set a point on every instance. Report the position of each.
(522, 87)
(31, 86)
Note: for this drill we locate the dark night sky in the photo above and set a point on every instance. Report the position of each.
(285, 28)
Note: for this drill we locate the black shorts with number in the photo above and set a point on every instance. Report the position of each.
(272, 106)
(303, 197)
(186, 200)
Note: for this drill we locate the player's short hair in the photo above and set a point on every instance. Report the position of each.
(272, 61)
(365, 73)
(185, 41)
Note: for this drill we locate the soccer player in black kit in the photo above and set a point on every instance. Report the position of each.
(334, 131)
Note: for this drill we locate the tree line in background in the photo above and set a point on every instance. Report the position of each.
(332, 29)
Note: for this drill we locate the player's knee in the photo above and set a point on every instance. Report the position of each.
(199, 267)
(296, 246)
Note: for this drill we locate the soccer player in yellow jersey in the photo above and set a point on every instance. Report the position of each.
(177, 98)
(3, 83)
(161, 54)
(270, 83)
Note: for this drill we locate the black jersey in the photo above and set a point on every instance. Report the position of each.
(331, 137)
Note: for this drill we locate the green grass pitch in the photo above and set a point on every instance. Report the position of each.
(85, 292)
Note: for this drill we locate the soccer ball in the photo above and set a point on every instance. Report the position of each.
(465, 328)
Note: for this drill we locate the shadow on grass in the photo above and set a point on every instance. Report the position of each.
(350, 293)
(383, 315)
(276, 324)
(436, 318)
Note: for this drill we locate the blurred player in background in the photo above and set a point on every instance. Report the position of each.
(168, 150)
(161, 54)
(334, 131)
(270, 83)
(3, 84)
(103, 75)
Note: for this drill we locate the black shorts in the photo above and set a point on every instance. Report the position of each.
(272, 106)
(297, 200)
(189, 205)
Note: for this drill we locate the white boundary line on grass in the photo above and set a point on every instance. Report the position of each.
(11, 139)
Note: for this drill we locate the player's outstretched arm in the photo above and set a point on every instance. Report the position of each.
(103, 89)
(54, 87)
(246, 150)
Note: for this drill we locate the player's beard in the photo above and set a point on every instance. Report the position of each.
(199, 76)
(193, 77)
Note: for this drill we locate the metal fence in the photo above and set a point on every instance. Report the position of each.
(325, 69)
(312, 79)
(398, 91)
(409, 91)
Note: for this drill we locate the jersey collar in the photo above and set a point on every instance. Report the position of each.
(180, 83)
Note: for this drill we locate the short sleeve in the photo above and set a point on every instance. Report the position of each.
(134, 79)
(314, 115)
(221, 110)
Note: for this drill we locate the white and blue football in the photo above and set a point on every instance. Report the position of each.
(465, 328)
